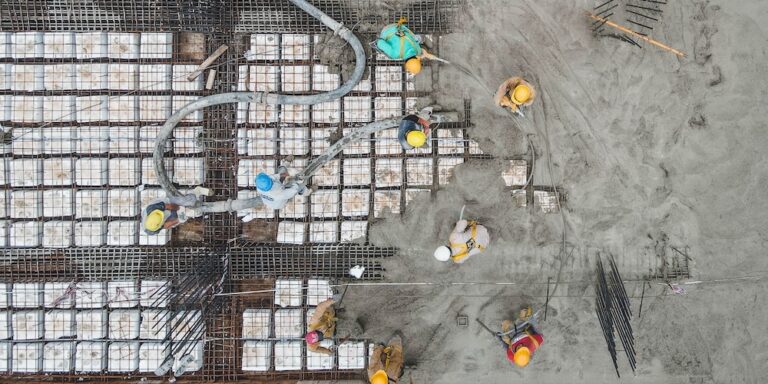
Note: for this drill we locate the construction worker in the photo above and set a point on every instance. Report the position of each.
(386, 363)
(523, 340)
(168, 212)
(273, 192)
(399, 43)
(515, 93)
(467, 239)
(414, 129)
(322, 324)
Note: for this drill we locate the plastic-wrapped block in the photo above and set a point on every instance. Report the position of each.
(261, 141)
(154, 324)
(295, 113)
(262, 78)
(122, 294)
(27, 295)
(294, 141)
(261, 113)
(516, 173)
(355, 202)
(152, 355)
(288, 355)
(57, 234)
(122, 202)
(123, 172)
(418, 171)
(389, 78)
(90, 295)
(450, 141)
(25, 234)
(57, 140)
(123, 357)
(27, 109)
(189, 171)
(90, 204)
(328, 174)
(57, 202)
(357, 171)
(27, 45)
(59, 45)
(27, 357)
(57, 171)
(352, 355)
(322, 80)
(89, 233)
(187, 325)
(256, 323)
(123, 45)
(262, 212)
(387, 108)
(59, 324)
(180, 82)
(124, 324)
(5, 326)
(155, 293)
(154, 108)
(546, 201)
(123, 109)
(318, 291)
(320, 361)
(59, 77)
(154, 77)
(288, 292)
(388, 144)
(92, 76)
(156, 45)
(91, 324)
(295, 47)
(386, 201)
(181, 101)
(389, 172)
(295, 78)
(445, 167)
(27, 77)
(324, 203)
(89, 356)
(263, 47)
(357, 108)
(353, 230)
(25, 204)
(296, 208)
(256, 355)
(27, 141)
(323, 232)
(289, 322)
(27, 325)
(90, 171)
(289, 232)
(247, 170)
(58, 295)
(148, 137)
(91, 45)
(328, 112)
(90, 109)
(187, 140)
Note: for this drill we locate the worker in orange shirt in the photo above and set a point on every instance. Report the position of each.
(521, 340)
(386, 363)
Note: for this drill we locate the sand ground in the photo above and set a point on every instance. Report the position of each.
(648, 147)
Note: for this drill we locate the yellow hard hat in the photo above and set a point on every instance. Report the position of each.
(380, 377)
(416, 138)
(413, 65)
(522, 356)
(154, 220)
(521, 94)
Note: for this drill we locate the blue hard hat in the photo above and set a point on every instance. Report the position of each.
(263, 181)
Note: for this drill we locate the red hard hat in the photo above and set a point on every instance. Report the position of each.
(312, 337)
(510, 355)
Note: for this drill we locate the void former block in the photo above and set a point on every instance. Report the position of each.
(389, 78)
(57, 234)
(387, 107)
(155, 293)
(27, 295)
(294, 141)
(256, 355)
(57, 140)
(289, 323)
(26, 172)
(26, 141)
(91, 45)
(90, 356)
(322, 80)
(156, 45)
(91, 171)
(124, 46)
(123, 109)
(92, 76)
(90, 204)
(247, 169)
(122, 76)
(25, 204)
(288, 355)
(59, 295)
(181, 101)
(189, 171)
(57, 172)
(328, 112)
(386, 201)
(90, 109)
(26, 109)
(288, 292)
(546, 201)
(152, 355)
(355, 202)
(180, 82)
(294, 113)
(256, 323)
(123, 356)
(358, 147)
(296, 208)
(323, 232)
(154, 324)
(90, 295)
(122, 294)
(6, 330)
(122, 202)
(26, 357)
(357, 109)
(445, 166)
(295, 47)
(294, 78)
(124, 324)
(27, 325)
(263, 78)
(450, 141)
(353, 230)
(324, 203)
(389, 172)
(123, 172)
(148, 138)
(328, 174)
(90, 233)
(59, 324)
(264, 47)
(57, 356)
(25, 45)
(352, 355)
(59, 77)
(262, 113)
(516, 173)
(357, 171)
(317, 361)
(186, 325)
(261, 212)
(318, 291)
(188, 140)
(155, 77)
(25, 234)
(155, 108)
(27, 77)
(419, 172)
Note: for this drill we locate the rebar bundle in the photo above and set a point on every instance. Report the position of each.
(614, 311)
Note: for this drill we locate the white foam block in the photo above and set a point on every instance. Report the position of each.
(445, 167)
(154, 293)
(389, 172)
(27, 45)
(122, 294)
(58, 108)
(386, 201)
(147, 138)
(28, 78)
(389, 78)
(156, 45)
(91, 45)
(387, 143)
(90, 204)
(123, 109)
(123, 357)
(5, 44)
(91, 324)
(58, 295)
(355, 202)
(194, 363)
(357, 108)
(57, 234)
(262, 78)
(59, 324)
(289, 323)
(187, 140)
(328, 112)
(287, 355)
(122, 202)
(189, 171)
(4, 201)
(123, 45)
(124, 324)
(516, 173)
(263, 47)
(256, 355)
(26, 357)
(295, 47)
(295, 78)
(318, 291)
(295, 113)
(288, 293)
(26, 295)
(328, 174)
(123, 77)
(90, 109)
(294, 141)
(357, 171)
(92, 76)
(89, 356)
(324, 203)
(323, 232)
(351, 355)
(124, 172)
(57, 202)
(91, 171)
(152, 355)
(261, 113)
(296, 208)
(155, 77)
(90, 295)
(5, 80)
(320, 361)
(5, 325)
(57, 357)
(181, 101)
(57, 140)
(57, 171)
(261, 141)
(180, 82)
(3, 233)
(59, 45)
(256, 323)
(27, 109)
(353, 230)
(322, 80)
(289, 232)
(387, 107)
(154, 324)
(186, 326)
(25, 204)
(25, 234)
(4, 295)
(418, 172)
(27, 325)
(26, 142)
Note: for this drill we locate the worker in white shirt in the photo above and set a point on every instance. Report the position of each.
(273, 192)
(467, 239)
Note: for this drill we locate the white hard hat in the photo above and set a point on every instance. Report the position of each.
(442, 253)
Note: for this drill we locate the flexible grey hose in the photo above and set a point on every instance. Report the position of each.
(257, 97)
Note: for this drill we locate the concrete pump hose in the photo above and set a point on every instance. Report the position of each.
(258, 97)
